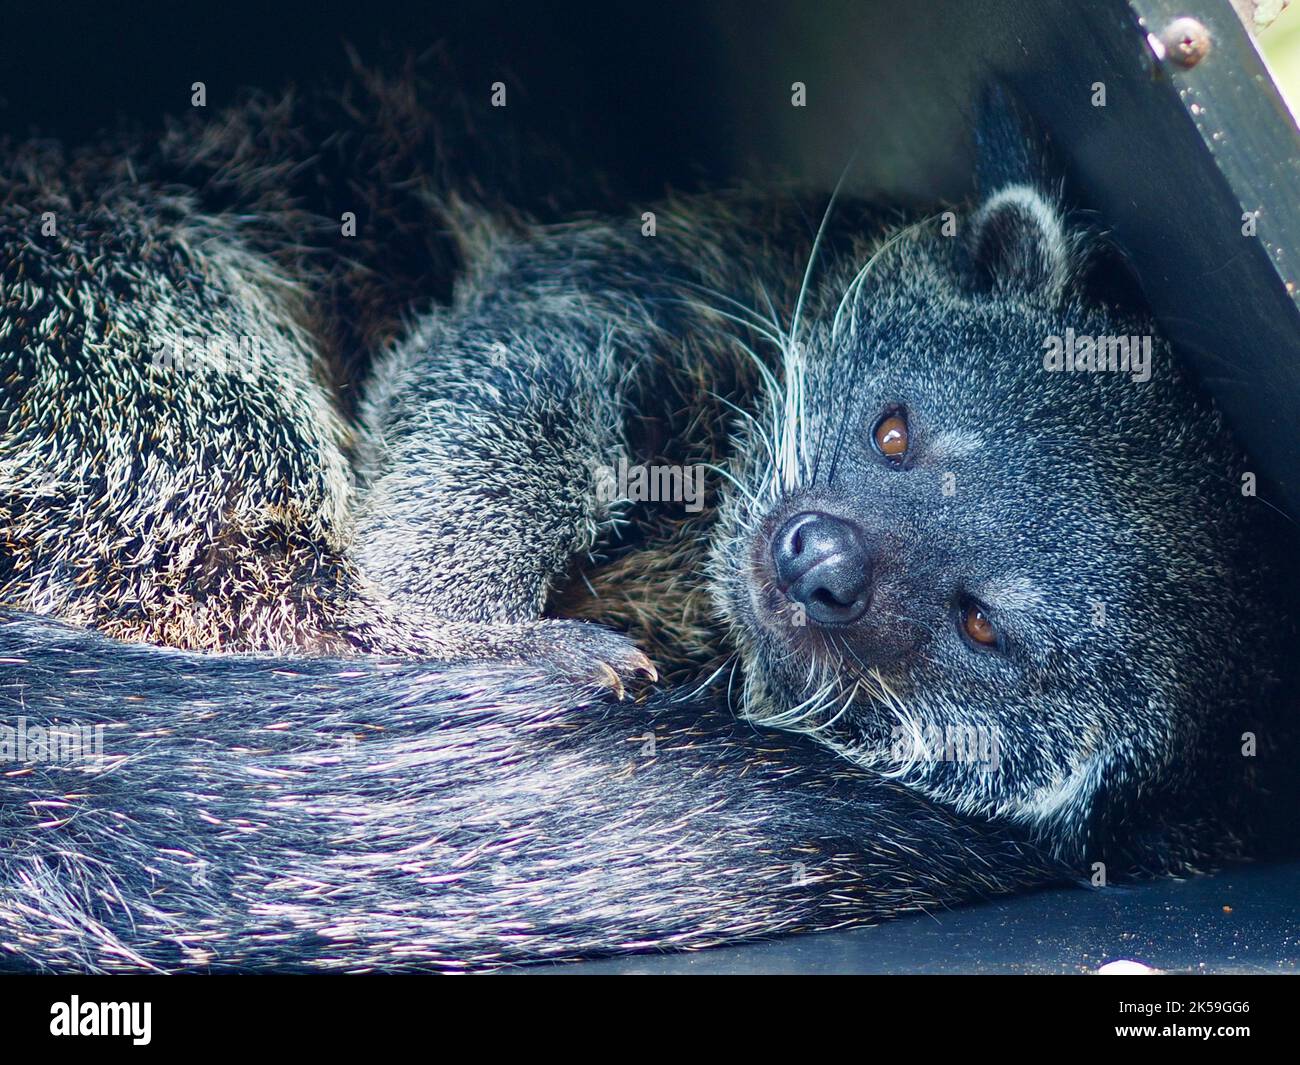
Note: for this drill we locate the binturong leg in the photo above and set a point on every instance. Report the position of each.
(487, 430)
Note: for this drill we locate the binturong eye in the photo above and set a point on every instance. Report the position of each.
(890, 435)
(976, 626)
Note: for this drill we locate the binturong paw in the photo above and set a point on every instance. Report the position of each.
(591, 656)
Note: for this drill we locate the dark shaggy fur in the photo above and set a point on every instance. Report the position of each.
(397, 496)
(361, 814)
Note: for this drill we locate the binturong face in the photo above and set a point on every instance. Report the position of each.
(983, 536)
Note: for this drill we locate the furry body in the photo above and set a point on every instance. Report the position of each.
(459, 792)
(353, 815)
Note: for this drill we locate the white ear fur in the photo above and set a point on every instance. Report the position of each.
(1020, 242)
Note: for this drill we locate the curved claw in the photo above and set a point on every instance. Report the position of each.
(607, 677)
(643, 667)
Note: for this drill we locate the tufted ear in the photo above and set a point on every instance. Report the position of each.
(1018, 239)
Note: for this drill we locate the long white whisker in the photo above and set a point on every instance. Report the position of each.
(771, 326)
(855, 286)
(795, 319)
(777, 338)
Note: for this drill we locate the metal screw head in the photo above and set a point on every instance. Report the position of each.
(1186, 41)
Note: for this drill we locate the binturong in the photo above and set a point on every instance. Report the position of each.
(911, 616)
(1031, 593)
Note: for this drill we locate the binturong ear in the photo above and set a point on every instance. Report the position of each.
(1017, 239)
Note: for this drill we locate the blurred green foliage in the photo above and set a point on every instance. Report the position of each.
(1281, 46)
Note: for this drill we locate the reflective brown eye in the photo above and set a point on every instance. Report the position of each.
(976, 625)
(890, 436)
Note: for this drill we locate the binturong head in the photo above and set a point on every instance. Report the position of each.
(984, 536)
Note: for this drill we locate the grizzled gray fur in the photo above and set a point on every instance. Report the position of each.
(384, 728)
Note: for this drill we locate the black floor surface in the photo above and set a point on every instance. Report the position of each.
(1245, 920)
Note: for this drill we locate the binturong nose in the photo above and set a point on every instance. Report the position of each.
(822, 563)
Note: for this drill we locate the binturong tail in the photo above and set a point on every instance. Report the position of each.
(245, 813)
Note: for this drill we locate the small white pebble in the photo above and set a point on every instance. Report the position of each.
(1124, 967)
